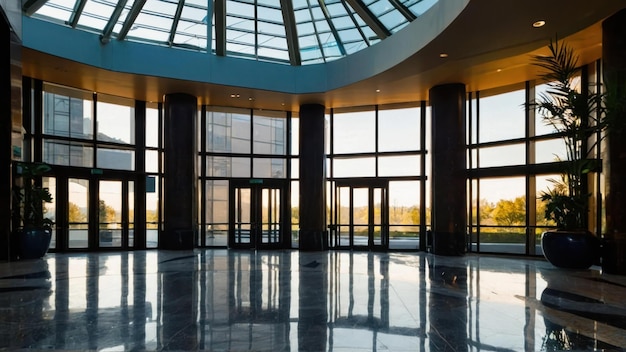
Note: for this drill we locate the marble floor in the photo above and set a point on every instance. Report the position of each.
(230, 300)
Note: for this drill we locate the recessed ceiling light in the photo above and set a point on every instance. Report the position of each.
(538, 24)
(377, 90)
(443, 55)
(499, 70)
(234, 95)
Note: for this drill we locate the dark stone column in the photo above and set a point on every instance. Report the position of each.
(448, 169)
(180, 204)
(10, 121)
(614, 57)
(312, 179)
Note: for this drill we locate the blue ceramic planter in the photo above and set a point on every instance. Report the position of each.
(570, 249)
(33, 242)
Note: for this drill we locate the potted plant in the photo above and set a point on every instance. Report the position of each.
(576, 116)
(34, 230)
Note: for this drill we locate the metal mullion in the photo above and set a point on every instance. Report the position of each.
(356, 24)
(315, 31)
(291, 32)
(76, 13)
(176, 19)
(108, 28)
(403, 10)
(203, 177)
(256, 30)
(332, 27)
(370, 19)
(219, 10)
(131, 18)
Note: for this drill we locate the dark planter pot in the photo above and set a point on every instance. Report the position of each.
(33, 242)
(571, 249)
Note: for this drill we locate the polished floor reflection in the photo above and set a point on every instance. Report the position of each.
(227, 300)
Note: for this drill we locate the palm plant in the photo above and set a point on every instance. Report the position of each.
(576, 115)
(31, 196)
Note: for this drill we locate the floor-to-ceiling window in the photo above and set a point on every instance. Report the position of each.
(377, 172)
(513, 157)
(90, 140)
(245, 177)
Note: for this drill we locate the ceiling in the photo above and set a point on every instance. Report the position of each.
(489, 45)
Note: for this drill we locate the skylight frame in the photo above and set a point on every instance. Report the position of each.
(295, 32)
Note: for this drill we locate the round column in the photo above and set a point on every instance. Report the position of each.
(180, 211)
(614, 66)
(313, 235)
(448, 208)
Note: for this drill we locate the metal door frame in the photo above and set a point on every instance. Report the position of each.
(256, 187)
(371, 185)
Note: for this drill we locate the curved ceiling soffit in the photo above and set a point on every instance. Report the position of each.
(151, 60)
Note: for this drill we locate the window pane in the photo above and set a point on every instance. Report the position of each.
(49, 209)
(270, 134)
(116, 120)
(152, 215)
(295, 136)
(399, 165)
(503, 156)
(152, 127)
(354, 167)
(67, 112)
(78, 213)
(550, 150)
(228, 131)
(67, 154)
(493, 191)
(354, 132)
(404, 199)
(216, 202)
(399, 129)
(502, 117)
(116, 159)
(221, 166)
(541, 91)
(152, 161)
(544, 183)
(269, 168)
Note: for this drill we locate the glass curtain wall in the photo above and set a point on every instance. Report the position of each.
(513, 157)
(243, 144)
(91, 142)
(384, 143)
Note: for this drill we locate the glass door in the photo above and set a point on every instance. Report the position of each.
(361, 217)
(94, 213)
(257, 214)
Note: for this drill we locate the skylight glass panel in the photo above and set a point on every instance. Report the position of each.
(154, 22)
(192, 26)
(96, 14)
(418, 7)
(325, 30)
(387, 14)
(394, 21)
(240, 38)
(56, 9)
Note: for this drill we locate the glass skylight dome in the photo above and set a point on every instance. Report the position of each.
(295, 32)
